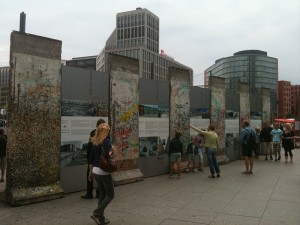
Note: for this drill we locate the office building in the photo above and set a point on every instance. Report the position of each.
(250, 66)
(137, 35)
(87, 62)
(4, 86)
(284, 98)
(295, 100)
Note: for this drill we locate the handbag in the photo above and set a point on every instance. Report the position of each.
(107, 162)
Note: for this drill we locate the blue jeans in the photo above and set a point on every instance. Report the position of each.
(212, 161)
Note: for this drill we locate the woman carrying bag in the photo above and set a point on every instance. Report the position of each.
(101, 142)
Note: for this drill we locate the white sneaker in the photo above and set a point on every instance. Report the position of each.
(187, 170)
(195, 170)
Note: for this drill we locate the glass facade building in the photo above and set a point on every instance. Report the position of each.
(137, 36)
(250, 66)
(88, 62)
(4, 86)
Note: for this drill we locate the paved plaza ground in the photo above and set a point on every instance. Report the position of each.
(270, 196)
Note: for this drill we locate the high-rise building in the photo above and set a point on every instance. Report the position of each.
(288, 99)
(87, 62)
(137, 35)
(251, 66)
(284, 98)
(4, 86)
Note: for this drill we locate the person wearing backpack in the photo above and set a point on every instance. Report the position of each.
(247, 140)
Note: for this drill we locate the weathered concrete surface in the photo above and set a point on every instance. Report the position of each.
(124, 116)
(179, 119)
(217, 114)
(244, 102)
(266, 105)
(33, 145)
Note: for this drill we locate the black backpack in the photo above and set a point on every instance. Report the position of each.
(251, 139)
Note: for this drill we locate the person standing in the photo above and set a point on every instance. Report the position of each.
(211, 146)
(288, 137)
(245, 141)
(276, 136)
(2, 154)
(192, 151)
(266, 140)
(201, 141)
(90, 184)
(257, 142)
(101, 142)
(175, 153)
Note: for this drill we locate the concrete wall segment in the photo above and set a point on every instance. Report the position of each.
(35, 45)
(218, 111)
(34, 120)
(179, 104)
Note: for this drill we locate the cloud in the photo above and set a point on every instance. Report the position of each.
(195, 33)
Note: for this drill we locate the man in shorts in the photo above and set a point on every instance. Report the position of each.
(246, 146)
(175, 153)
(192, 151)
(266, 140)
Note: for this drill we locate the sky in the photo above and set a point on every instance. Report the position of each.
(195, 32)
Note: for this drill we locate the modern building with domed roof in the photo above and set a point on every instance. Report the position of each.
(250, 66)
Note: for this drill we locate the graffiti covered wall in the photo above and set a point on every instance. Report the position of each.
(33, 119)
(266, 105)
(125, 113)
(217, 115)
(179, 104)
(244, 102)
(124, 116)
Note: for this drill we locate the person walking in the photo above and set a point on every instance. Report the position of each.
(101, 142)
(2, 154)
(90, 184)
(247, 148)
(175, 153)
(288, 137)
(266, 141)
(276, 136)
(192, 151)
(211, 146)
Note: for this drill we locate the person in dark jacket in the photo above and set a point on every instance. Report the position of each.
(288, 144)
(90, 184)
(101, 142)
(175, 153)
(192, 151)
(266, 140)
(247, 148)
(2, 154)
